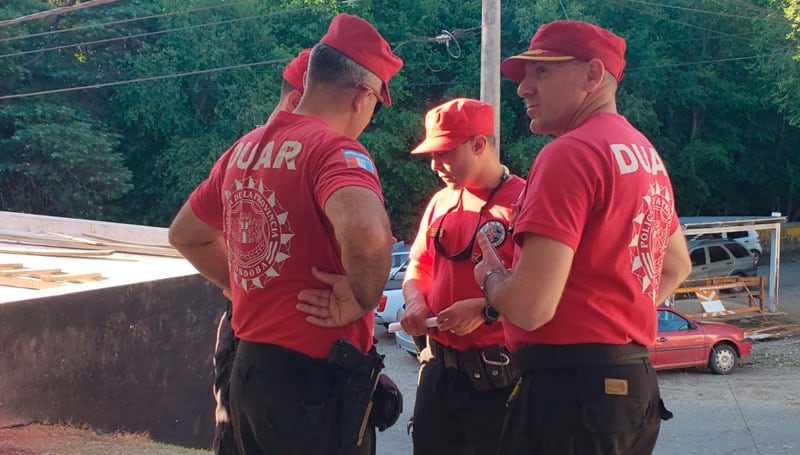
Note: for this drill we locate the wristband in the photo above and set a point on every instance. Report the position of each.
(486, 278)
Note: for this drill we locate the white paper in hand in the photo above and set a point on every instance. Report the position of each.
(396, 327)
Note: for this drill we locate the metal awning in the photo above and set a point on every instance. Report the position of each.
(713, 224)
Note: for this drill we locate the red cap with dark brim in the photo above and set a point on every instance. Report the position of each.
(295, 71)
(359, 41)
(570, 40)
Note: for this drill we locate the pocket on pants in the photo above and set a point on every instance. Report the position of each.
(614, 414)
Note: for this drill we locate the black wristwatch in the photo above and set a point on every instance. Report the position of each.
(490, 314)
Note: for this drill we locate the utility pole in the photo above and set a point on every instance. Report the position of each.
(490, 60)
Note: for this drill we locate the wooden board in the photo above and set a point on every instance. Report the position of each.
(73, 277)
(29, 272)
(26, 283)
(59, 253)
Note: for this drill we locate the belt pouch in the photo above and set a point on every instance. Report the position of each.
(488, 368)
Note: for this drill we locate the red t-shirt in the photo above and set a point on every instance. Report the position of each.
(454, 280)
(268, 194)
(603, 190)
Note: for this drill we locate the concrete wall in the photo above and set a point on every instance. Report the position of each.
(134, 358)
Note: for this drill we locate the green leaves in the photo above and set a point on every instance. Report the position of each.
(60, 162)
(712, 83)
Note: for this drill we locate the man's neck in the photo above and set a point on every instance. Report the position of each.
(493, 177)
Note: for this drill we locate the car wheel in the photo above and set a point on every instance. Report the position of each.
(723, 359)
(756, 257)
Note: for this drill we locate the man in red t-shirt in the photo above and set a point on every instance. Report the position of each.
(292, 88)
(465, 376)
(288, 198)
(599, 247)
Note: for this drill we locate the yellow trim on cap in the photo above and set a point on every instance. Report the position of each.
(537, 56)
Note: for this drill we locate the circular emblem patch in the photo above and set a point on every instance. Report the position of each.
(258, 233)
(495, 231)
(650, 235)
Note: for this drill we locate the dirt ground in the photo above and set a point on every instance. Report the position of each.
(44, 439)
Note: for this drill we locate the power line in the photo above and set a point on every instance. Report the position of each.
(703, 62)
(139, 35)
(144, 79)
(462, 32)
(421, 84)
(679, 22)
(65, 9)
(563, 9)
(693, 10)
(123, 21)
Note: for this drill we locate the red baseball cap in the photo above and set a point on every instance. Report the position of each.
(448, 125)
(296, 69)
(358, 40)
(570, 40)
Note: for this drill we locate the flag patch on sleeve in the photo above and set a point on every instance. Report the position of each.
(354, 158)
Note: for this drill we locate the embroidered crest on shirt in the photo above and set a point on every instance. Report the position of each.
(354, 158)
(495, 231)
(258, 233)
(650, 235)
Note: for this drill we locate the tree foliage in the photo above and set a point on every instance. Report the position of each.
(713, 84)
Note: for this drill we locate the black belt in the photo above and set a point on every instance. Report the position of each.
(451, 358)
(552, 356)
(264, 355)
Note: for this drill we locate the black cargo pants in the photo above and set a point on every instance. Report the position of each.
(284, 403)
(583, 400)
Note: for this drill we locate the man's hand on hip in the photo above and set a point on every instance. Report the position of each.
(333, 307)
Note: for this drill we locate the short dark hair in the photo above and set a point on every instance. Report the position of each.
(287, 87)
(329, 66)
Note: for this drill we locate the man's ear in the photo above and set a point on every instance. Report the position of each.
(359, 99)
(292, 100)
(479, 144)
(595, 71)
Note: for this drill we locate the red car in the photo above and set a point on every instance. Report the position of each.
(682, 342)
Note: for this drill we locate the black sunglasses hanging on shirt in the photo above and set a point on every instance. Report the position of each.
(466, 253)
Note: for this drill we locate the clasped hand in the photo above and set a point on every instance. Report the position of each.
(335, 306)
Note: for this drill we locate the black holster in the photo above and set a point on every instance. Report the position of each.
(387, 404)
(366, 398)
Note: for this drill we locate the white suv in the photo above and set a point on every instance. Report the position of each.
(748, 239)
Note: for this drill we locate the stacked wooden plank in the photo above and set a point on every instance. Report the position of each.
(15, 275)
(86, 245)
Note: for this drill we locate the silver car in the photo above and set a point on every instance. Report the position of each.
(719, 258)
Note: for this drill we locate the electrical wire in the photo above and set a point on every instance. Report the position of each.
(55, 11)
(144, 79)
(693, 10)
(159, 32)
(720, 60)
(123, 21)
(658, 16)
(563, 9)
(423, 84)
(211, 70)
